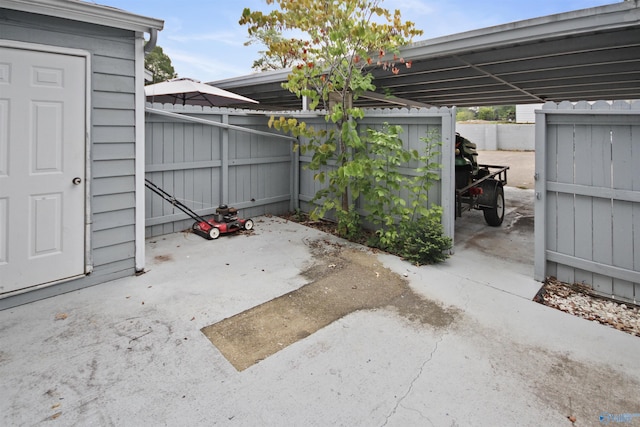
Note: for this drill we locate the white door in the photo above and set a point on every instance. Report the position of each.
(42, 168)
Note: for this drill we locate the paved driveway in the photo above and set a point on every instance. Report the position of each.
(130, 352)
(521, 165)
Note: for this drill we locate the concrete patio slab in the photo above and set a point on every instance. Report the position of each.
(130, 352)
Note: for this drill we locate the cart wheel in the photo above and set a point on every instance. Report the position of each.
(248, 224)
(214, 233)
(495, 214)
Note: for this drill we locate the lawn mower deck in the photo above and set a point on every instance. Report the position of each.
(224, 221)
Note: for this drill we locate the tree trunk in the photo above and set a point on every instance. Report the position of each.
(346, 99)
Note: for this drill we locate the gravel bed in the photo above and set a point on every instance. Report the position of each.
(578, 300)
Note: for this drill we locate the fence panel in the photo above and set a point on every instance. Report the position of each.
(434, 123)
(588, 196)
(205, 157)
(239, 163)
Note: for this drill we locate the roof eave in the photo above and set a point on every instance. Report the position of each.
(264, 77)
(87, 12)
(562, 24)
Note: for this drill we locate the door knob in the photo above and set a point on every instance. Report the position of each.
(77, 180)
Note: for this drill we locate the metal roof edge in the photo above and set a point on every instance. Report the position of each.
(617, 15)
(274, 76)
(86, 12)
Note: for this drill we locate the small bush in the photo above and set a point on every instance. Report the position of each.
(349, 226)
(423, 241)
(299, 216)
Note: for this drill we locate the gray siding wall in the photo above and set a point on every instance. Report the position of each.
(112, 135)
(588, 196)
(204, 166)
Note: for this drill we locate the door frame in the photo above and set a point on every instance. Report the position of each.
(36, 47)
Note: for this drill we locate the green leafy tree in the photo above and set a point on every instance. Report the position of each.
(506, 113)
(486, 113)
(274, 61)
(160, 66)
(339, 43)
(464, 114)
(393, 197)
(499, 112)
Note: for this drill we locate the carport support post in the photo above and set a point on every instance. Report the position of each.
(224, 163)
(447, 174)
(139, 158)
(540, 226)
(294, 203)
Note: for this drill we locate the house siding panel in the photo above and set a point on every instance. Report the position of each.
(112, 219)
(112, 236)
(113, 202)
(111, 185)
(112, 131)
(114, 66)
(110, 134)
(97, 39)
(114, 151)
(113, 83)
(114, 253)
(113, 100)
(116, 167)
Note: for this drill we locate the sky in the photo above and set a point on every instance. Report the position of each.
(205, 41)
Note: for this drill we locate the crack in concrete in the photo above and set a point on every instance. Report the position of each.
(420, 413)
(410, 388)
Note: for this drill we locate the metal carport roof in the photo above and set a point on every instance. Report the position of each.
(588, 54)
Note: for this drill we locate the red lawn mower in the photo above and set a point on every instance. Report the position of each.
(224, 221)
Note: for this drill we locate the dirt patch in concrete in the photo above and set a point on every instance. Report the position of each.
(163, 258)
(342, 280)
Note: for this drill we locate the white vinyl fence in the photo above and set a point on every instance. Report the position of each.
(587, 208)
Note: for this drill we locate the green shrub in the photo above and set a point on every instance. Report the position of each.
(298, 215)
(464, 114)
(349, 225)
(423, 241)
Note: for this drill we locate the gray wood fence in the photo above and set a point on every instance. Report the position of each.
(206, 157)
(416, 124)
(587, 208)
(222, 157)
